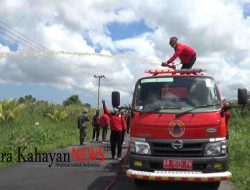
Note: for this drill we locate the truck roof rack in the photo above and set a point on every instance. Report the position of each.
(174, 71)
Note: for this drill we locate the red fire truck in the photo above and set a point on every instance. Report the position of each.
(179, 128)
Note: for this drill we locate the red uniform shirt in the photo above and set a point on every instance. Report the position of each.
(184, 52)
(104, 120)
(96, 120)
(115, 120)
(124, 125)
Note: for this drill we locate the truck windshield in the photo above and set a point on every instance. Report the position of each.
(180, 94)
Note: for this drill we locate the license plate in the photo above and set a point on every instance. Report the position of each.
(178, 164)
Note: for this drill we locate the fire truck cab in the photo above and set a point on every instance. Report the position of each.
(179, 128)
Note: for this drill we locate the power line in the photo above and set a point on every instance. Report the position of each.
(34, 46)
(13, 34)
(53, 53)
(26, 39)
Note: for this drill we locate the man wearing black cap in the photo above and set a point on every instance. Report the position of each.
(186, 54)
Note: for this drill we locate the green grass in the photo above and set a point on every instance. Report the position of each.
(239, 145)
(47, 136)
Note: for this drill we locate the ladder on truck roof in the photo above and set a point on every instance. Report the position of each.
(174, 71)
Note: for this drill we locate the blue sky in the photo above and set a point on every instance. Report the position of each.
(246, 9)
(118, 31)
(136, 29)
(38, 91)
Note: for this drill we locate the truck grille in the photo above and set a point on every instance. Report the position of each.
(188, 150)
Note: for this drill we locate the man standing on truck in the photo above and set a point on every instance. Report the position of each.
(116, 126)
(186, 54)
(82, 125)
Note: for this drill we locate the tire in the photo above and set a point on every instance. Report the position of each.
(213, 185)
(242, 96)
(138, 182)
(115, 99)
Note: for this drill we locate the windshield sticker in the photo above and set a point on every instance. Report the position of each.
(148, 80)
(168, 79)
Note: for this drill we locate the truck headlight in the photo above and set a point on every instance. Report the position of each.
(139, 147)
(216, 148)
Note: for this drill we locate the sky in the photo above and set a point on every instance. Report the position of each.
(134, 35)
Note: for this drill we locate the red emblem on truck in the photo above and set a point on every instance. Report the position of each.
(176, 128)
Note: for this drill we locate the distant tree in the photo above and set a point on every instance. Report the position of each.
(87, 105)
(21, 100)
(26, 99)
(42, 102)
(74, 99)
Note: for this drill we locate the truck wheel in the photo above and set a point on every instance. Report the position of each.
(213, 185)
(138, 182)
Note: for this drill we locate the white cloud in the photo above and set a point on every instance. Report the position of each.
(217, 29)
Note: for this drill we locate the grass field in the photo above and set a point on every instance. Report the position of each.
(32, 127)
(239, 152)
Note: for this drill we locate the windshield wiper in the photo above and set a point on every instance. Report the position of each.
(158, 109)
(193, 108)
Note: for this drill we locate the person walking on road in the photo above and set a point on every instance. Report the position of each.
(104, 123)
(96, 125)
(116, 126)
(82, 125)
(186, 54)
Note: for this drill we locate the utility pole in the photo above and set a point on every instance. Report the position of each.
(99, 81)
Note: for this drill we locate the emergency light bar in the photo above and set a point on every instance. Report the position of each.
(174, 71)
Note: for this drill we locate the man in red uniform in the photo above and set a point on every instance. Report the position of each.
(116, 126)
(186, 54)
(104, 123)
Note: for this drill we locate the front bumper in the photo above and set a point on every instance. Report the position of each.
(185, 176)
(155, 163)
(203, 169)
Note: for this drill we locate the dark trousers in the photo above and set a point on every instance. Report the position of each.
(123, 136)
(83, 133)
(96, 131)
(116, 140)
(104, 132)
(190, 64)
(128, 128)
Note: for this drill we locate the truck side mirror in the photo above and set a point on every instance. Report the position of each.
(115, 99)
(242, 96)
(226, 105)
